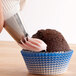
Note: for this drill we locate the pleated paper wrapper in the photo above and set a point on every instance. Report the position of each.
(52, 63)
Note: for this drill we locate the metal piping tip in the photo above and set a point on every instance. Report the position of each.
(15, 28)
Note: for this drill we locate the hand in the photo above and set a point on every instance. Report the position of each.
(1, 17)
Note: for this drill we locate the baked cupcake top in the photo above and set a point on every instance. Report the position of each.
(54, 40)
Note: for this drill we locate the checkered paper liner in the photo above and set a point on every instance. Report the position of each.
(52, 63)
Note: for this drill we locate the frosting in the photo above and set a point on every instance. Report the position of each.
(33, 44)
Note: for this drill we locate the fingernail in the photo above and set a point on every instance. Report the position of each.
(26, 35)
(20, 42)
(43, 51)
(23, 40)
(27, 38)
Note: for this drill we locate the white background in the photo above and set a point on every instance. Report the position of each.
(42, 14)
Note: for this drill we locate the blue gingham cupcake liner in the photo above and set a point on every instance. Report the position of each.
(52, 63)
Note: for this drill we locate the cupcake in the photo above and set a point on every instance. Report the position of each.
(54, 60)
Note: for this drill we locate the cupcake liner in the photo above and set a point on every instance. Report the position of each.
(47, 63)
